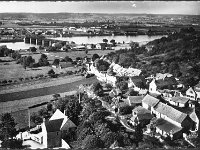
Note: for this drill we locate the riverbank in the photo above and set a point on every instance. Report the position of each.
(11, 40)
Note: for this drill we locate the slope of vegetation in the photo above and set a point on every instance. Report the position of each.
(178, 54)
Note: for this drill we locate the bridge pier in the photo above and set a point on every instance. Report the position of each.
(33, 41)
(39, 42)
(27, 40)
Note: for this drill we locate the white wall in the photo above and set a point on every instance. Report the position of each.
(44, 133)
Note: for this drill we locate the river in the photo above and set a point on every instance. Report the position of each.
(89, 40)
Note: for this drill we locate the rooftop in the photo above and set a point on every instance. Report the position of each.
(170, 112)
(135, 99)
(150, 100)
(167, 126)
(179, 99)
(53, 125)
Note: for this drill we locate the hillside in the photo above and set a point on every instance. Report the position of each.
(178, 54)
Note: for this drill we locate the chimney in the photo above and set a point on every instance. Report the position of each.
(64, 112)
(44, 119)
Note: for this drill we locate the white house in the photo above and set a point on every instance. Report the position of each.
(179, 101)
(194, 92)
(153, 87)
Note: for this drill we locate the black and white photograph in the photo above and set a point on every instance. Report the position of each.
(100, 74)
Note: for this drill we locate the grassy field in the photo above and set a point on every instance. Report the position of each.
(11, 70)
(19, 110)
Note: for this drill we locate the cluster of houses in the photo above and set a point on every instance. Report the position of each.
(175, 114)
(161, 109)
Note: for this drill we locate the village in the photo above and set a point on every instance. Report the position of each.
(155, 104)
(100, 75)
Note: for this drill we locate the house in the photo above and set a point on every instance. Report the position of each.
(101, 46)
(168, 129)
(195, 116)
(179, 101)
(156, 86)
(149, 102)
(141, 116)
(129, 72)
(134, 100)
(194, 93)
(54, 128)
(137, 83)
(79, 48)
(62, 65)
(173, 122)
(160, 76)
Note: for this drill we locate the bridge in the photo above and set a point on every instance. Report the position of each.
(39, 40)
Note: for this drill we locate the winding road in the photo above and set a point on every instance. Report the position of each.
(46, 90)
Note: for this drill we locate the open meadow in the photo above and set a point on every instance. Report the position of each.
(11, 70)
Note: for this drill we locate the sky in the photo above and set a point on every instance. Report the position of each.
(148, 7)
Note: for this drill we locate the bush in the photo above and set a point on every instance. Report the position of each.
(69, 73)
(12, 143)
(52, 73)
(20, 79)
(91, 141)
(125, 110)
(10, 81)
(4, 81)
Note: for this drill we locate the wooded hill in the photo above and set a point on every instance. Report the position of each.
(178, 54)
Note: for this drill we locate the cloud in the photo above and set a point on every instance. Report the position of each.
(133, 4)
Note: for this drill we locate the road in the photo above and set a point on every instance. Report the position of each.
(45, 91)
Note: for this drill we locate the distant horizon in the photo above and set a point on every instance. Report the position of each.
(94, 13)
(103, 7)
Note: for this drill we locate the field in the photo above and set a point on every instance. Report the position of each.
(11, 70)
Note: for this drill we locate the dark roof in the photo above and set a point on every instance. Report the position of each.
(170, 112)
(142, 113)
(139, 81)
(178, 99)
(167, 126)
(168, 81)
(150, 100)
(67, 125)
(53, 125)
(197, 87)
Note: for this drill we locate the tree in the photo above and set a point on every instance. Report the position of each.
(102, 65)
(36, 118)
(86, 51)
(56, 62)
(126, 110)
(73, 109)
(113, 42)
(91, 141)
(109, 138)
(123, 86)
(105, 40)
(95, 56)
(67, 59)
(12, 144)
(99, 116)
(32, 49)
(134, 45)
(52, 73)
(97, 88)
(43, 60)
(7, 127)
(138, 133)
